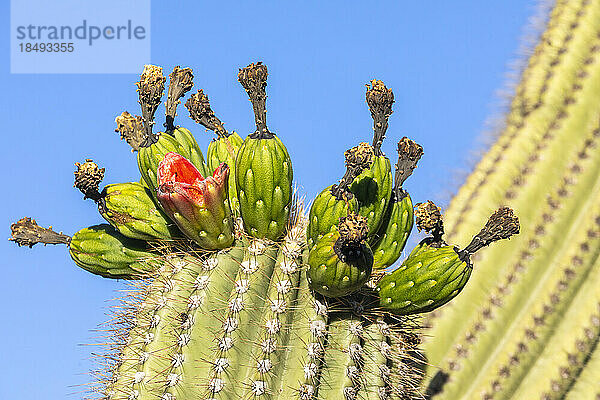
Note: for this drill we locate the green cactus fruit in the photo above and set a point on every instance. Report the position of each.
(263, 172)
(189, 148)
(337, 201)
(373, 187)
(129, 208)
(398, 220)
(326, 210)
(341, 261)
(434, 273)
(224, 148)
(102, 250)
(150, 155)
(426, 280)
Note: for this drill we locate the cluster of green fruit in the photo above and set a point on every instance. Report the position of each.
(235, 214)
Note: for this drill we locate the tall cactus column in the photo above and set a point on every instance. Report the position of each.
(527, 326)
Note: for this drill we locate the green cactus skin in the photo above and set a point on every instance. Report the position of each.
(189, 149)
(224, 150)
(103, 251)
(429, 278)
(263, 177)
(129, 208)
(263, 170)
(398, 219)
(148, 158)
(325, 213)
(372, 189)
(334, 273)
(393, 234)
(242, 323)
(520, 329)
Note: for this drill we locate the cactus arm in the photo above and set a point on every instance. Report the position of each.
(163, 366)
(276, 324)
(586, 386)
(535, 325)
(527, 275)
(545, 294)
(568, 136)
(561, 362)
(524, 125)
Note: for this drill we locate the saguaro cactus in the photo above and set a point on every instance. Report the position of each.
(528, 324)
(234, 302)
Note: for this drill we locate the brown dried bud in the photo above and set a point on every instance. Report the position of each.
(353, 229)
(502, 224)
(26, 232)
(150, 90)
(131, 128)
(254, 80)
(181, 81)
(360, 156)
(200, 111)
(409, 154)
(87, 179)
(428, 217)
(380, 100)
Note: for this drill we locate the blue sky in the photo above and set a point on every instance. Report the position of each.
(445, 62)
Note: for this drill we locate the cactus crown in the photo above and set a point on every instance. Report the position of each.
(235, 300)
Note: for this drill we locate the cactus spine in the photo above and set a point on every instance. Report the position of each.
(241, 305)
(527, 325)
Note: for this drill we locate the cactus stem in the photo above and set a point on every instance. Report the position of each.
(409, 154)
(201, 112)
(181, 81)
(131, 129)
(380, 100)
(87, 179)
(502, 224)
(26, 232)
(150, 90)
(254, 80)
